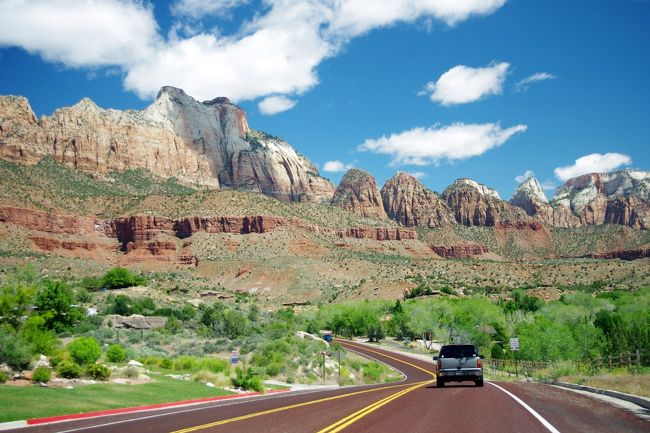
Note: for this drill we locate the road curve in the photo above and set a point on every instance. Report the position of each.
(413, 405)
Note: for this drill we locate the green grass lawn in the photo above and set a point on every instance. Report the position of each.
(34, 402)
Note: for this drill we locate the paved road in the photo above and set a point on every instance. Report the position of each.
(414, 405)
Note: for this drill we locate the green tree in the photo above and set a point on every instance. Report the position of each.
(375, 331)
(36, 333)
(55, 304)
(15, 302)
(120, 278)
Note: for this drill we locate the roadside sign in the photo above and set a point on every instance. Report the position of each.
(234, 357)
(514, 344)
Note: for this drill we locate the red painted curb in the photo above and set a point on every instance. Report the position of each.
(35, 421)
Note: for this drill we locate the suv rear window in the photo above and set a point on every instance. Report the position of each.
(460, 351)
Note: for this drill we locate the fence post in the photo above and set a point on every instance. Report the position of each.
(610, 361)
(629, 360)
(638, 361)
(620, 360)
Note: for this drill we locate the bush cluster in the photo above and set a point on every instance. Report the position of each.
(115, 353)
(98, 372)
(85, 350)
(41, 374)
(68, 370)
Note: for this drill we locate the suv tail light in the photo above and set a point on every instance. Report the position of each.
(439, 364)
(479, 363)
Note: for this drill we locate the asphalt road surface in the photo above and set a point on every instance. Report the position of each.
(414, 405)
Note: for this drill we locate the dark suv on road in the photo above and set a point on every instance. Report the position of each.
(457, 363)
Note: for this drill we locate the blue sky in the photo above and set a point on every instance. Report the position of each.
(430, 87)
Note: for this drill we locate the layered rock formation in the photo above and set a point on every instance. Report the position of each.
(204, 143)
(531, 198)
(477, 205)
(621, 197)
(411, 204)
(358, 193)
(465, 251)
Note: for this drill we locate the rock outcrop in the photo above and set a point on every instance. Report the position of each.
(531, 198)
(411, 204)
(465, 251)
(201, 143)
(621, 197)
(634, 254)
(358, 193)
(474, 205)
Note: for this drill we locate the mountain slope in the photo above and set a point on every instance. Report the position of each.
(199, 143)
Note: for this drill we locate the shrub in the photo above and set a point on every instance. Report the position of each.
(215, 365)
(68, 369)
(85, 350)
(247, 380)
(42, 374)
(98, 372)
(3, 377)
(273, 369)
(185, 363)
(15, 351)
(120, 278)
(372, 372)
(131, 373)
(42, 340)
(115, 353)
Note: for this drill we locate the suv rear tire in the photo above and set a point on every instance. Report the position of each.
(479, 382)
(440, 383)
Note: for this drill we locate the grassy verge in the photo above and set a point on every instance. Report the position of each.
(33, 401)
(636, 384)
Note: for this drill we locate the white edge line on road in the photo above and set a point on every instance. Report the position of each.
(12, 424)
(540, 418)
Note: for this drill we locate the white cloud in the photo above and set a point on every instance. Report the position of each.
(418, 174)
(337, 166)
(423, 146)
(593, 163)
(525, 176)
(275, 104)
(462, 84)
(276, 52)
(80, 33)
(538, 76)
(200, 8)
(355, 17)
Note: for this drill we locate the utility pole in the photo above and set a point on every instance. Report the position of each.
(339, 381)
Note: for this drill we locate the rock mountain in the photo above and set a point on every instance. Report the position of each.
(210, 144)
(200, 143)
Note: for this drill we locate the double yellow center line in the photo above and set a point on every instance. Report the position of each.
(341, 424)
(350, 419)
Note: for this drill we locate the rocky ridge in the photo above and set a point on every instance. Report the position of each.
(358, 193)
(474, 204)
(620, 197)
(200, 143)
(411, 204)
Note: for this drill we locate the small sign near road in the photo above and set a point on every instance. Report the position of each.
(234, 357)
(514, 344)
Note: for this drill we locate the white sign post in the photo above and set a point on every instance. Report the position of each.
(514, 346)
